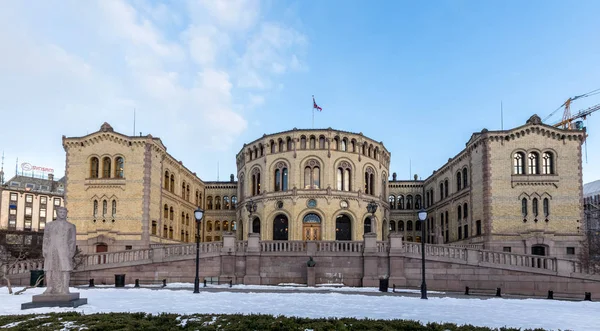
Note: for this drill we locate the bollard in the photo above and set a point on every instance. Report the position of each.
(91, 282)
(498, 292)
(204, 282)
(466, 290)
(231, 283)
(588, 296)
(164, 283)
(137, 283)
(550, 294)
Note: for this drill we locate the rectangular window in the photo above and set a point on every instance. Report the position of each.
(28, 198)
(506, 249)
(13, 197)
(43, 200)
(570, 250)
(56, 201)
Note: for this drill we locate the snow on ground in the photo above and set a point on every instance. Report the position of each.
(493, 312)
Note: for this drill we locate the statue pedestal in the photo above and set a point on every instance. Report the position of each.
(310, 276)
(54, 300)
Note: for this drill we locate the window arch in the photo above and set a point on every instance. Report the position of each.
(256, 181)
(369, 181)
(106, 163)
(518, 163)
(344, 175)
(533, 161)
(547, 163)
(281, 176)
(458, 181)
(94, 167)
(119, 167)
(312, 175)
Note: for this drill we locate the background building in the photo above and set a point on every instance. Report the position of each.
(518, 190)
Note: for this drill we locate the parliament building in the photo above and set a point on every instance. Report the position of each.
(518, 190)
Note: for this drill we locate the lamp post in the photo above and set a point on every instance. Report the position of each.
(372, 208)
(198, 213)
(422, 217)
(251, 208)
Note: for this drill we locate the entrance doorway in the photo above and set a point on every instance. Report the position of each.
(311, 227)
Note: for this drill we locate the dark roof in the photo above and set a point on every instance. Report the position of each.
(36, 184)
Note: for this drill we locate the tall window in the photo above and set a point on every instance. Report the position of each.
(312, 175)
(533, 162)
(524, 207)
(370, 181)
(281, 177)
(534, 207)
(518, 165)
(546, 207)
(120, 167)
(458, 181)
(255, 181)
(114, 208)
(94, 166)
(343, 176)
(106, 167)
(547, 163)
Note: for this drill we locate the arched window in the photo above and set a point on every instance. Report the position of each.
(409, 202)
(370, 181)
(166, 183)
(114, 208)
(524, 207)
(209, 203)
(533, 162)
(547, 163)
(518, 163)
(343, 175)
(217, 203)
(233, 202)
(226, 202)
(255, 181)
(120, 167)
(409, 226)
(281, 177)
(465, 211)
(95, 208)
(546, 207)
(464, 175)
(166, 212)
(94, 166)
(418, 201)
(172, 187)
(400, 226)
(534, 207)
(400, 202)
(104, 207)
(343, 146)
(392, 201)
(458, 181)
(312, 175)
(321, 142)
(106, 162)
(303, 142)
(290, 144)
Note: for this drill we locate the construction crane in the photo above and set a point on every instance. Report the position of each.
(566, 123)
(567, 120)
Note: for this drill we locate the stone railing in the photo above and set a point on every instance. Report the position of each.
(340, 246)
(282, 246)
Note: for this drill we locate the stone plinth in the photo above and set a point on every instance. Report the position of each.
(55, 300)
(310, 276)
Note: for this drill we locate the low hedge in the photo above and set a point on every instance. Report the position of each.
(143, 321)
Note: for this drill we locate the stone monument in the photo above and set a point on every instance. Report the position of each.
(58, 249)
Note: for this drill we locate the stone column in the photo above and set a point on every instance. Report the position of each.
(370, 277)
(228, 257)
(252, 276)
(397, 275)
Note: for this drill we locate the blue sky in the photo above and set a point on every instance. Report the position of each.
(419, 76)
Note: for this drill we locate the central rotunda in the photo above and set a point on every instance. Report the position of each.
(312, 185)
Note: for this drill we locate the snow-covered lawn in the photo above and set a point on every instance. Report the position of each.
(336, 302)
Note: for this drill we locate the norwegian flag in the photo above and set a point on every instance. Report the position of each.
(315, 106)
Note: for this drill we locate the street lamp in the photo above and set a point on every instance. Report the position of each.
(198, 213)
(372, 208)
(422, 217)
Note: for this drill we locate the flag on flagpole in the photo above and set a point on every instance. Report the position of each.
(315, 106)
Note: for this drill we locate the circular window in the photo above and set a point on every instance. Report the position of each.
(312, 203)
